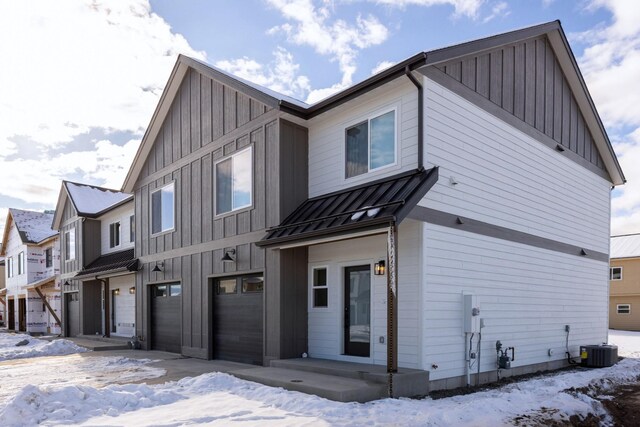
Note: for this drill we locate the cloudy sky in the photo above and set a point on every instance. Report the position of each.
(80, 79)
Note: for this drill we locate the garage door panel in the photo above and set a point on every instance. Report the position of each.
(73, 315)
(166, 323)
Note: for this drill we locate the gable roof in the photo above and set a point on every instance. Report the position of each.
(627, 246)
(89, 201)
(33, 227)
(553, 30)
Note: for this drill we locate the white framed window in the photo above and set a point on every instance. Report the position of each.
(114, 234)
(70, 245)
(20, 263)
(10, 267)
(319, 287)
(132, 228)
(234, 182)
(624, 308)
(48, 258)
(371, 144)
(615, 273)
(163, 209)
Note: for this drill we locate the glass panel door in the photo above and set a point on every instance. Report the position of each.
(357, 310)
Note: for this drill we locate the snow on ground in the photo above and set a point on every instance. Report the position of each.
(219, 399)
(34, 348)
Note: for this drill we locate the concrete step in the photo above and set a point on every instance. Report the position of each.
(99, 343)
(406, 382)
(330, 387)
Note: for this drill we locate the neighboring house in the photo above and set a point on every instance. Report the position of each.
(462, 193)
(32, 261)
(624, 283)
(3, 294)
(97, 260)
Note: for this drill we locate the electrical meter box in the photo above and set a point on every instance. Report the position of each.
(471, 315)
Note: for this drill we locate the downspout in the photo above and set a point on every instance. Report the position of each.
(103, 294)
(417, 84)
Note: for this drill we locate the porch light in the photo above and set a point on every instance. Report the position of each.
(116, 291)
(157, 268)
(229, 256)
(379, 268)
(132, 290)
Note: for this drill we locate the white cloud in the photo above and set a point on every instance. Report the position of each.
(498, 10)
(282, 75)
(382, 66)
(468, 8)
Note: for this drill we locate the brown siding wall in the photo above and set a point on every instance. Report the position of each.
(630, 283)
(627, 322)
(525, 79)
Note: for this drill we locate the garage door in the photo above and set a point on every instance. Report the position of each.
(237, 319)
(166, 303)
(73, 315)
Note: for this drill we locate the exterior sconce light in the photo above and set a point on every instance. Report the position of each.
(132, 290)
(116, 291)
(379, 268)
(158, 267)
(229, 256)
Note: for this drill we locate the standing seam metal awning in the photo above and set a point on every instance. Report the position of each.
(369, 206)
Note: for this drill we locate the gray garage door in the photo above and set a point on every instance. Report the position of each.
(73, 315)
(166, 303)
(237, 319)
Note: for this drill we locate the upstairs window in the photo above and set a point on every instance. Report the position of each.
(234, 182)
(162, 209)
(615, 273)
(70, 245)
(48, 258)
(20, 263)
(371, 144)
(114, 234)
(9, 267)
(132, 228)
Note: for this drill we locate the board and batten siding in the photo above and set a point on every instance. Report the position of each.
(525, 79)
(506, 178)
(326, 332)
(327, 136)
(526, 296)
(120, 214)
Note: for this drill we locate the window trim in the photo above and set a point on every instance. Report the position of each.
(367, 118)
(67, 254)
(238, 280)
(611, 274)
(175, 202)
(618, 306)
(115, 240)
(214, 182)
(312, 287)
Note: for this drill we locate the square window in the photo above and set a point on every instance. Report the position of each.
(160, 291)
(114, 234)
(320, 288)
(234, 182)
(252, 284)
(175, 290)
(162, 209)
(371, 144)
(615, 273)
(227, 286)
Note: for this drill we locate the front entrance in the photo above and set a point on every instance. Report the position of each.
(357, 311)
(73, 314)
(11, 307)
(22, 314)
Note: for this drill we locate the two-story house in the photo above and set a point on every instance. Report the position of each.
(456, 199)
(624, 283)
(32, 261)
(97, 260)
(3, 294)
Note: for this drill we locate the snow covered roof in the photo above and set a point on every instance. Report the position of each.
(627, 246)
(90, 200)
(33, 227)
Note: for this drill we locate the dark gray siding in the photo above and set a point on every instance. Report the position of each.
(90, 246)
(207, 122)
(525, 80)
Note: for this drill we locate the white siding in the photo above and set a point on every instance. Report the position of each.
(327, 136)
(526, 297)
(325, 324)
(121, 214)
(14, 247)
(508, 178)
(125, 305)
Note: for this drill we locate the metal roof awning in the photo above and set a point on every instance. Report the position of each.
(366, 207)
(116, 262)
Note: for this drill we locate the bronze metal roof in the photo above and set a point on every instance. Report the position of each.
(372, 205)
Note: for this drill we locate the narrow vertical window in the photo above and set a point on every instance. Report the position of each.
(162, 209)
(320, 289)
(114, 234)
(132, 228)
(48, 257)
(70, 245)
(9, 267)
(371, 144)
(234, 182)
(20, 263)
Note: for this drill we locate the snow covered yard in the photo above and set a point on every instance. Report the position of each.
(219, 399)
(34, 347)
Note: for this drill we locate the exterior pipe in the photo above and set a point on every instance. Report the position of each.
(417, 84)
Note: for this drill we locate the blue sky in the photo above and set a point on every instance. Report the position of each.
(85, 77)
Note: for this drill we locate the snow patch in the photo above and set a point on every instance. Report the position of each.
(35, 347)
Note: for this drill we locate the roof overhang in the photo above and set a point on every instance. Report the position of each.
(354, 212)
(41, 282)
(5, 234)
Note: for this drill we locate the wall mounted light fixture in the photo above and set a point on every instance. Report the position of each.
(229, 256)
(116, 291)
(159, 266)
(132, 290)
(379, 268)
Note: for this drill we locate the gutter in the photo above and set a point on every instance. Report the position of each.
(409, 74)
